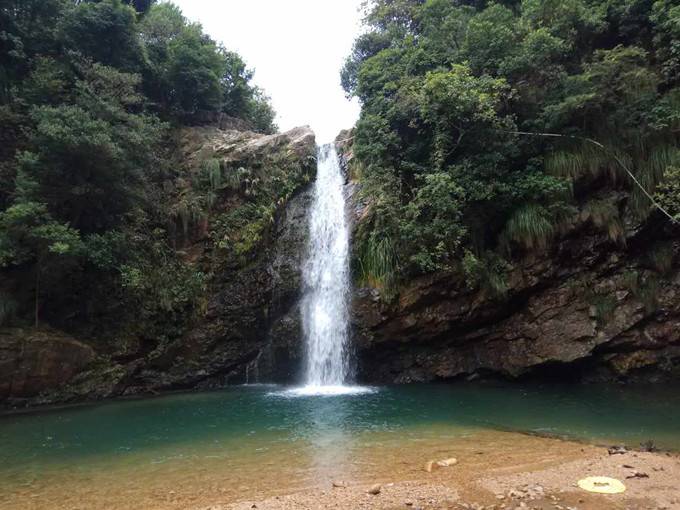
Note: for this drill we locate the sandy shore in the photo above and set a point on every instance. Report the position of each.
(495, 470)
(544, 478)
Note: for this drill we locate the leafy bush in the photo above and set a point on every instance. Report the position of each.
(528, 109)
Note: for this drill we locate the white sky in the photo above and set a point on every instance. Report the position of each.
(296, 47)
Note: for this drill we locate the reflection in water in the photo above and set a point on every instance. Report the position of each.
(263, 438)
(330, 441)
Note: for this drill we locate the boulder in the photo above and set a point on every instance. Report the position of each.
(36, 360)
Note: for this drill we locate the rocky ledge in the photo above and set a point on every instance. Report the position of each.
(588, 309)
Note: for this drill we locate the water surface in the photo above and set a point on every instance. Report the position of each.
(258, 438)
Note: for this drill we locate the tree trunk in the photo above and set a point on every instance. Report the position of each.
(37, 295)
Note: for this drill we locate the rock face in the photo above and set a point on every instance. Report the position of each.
(249, 330)
(589, 309)
(34, 361)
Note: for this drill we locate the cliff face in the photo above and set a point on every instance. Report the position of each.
(251, 245)
(587, 311)
(587, 308)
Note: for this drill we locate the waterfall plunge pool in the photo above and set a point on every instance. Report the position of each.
(212, 447)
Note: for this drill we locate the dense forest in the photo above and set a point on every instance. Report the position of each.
(487, 127)
(489, 133)
(91, 95)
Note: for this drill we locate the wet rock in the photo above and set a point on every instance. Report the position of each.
(648, 446)
(617, 450)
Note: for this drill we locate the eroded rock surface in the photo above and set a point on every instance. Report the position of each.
(249, 329)
(587, 309)
(34, 361)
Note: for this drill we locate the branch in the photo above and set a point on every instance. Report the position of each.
(613, 155)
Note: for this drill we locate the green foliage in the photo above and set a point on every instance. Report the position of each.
(459, 105)
(644, 289)
(433, 222)
(258, 190)
(89, 92)
(491, 38)
(86, 157)
(189, 74)
(30, 234)
(668, 192)
(604, 214)
(105, 32)
(378, 263)
(486, 273)
(666, 19)
(170, 289)
(461, 89)
(530, 227)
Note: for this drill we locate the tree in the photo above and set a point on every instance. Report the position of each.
(27, 29)
(87, 157)
(469, 96)
(29, 235)
(105, 32)
(433, 222)
(141, 6)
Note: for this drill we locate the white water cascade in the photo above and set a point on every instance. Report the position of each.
(326, 280)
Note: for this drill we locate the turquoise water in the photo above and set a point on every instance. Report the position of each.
(251, 435)
(607, 414)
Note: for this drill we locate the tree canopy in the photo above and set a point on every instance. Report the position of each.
(90, 92)
(457, 97)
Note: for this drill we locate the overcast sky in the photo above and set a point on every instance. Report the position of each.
(296, 47)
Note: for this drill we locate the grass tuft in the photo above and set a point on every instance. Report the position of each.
(530, 227)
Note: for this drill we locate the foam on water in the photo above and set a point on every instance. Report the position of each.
(326, 391)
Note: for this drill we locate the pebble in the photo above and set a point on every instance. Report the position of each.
(447, 462)
(375, 489)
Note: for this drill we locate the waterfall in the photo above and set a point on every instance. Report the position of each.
(326, 277)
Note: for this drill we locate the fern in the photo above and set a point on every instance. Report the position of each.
(187, 211)
(646, 159)
(213, 169)
(587, 160)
